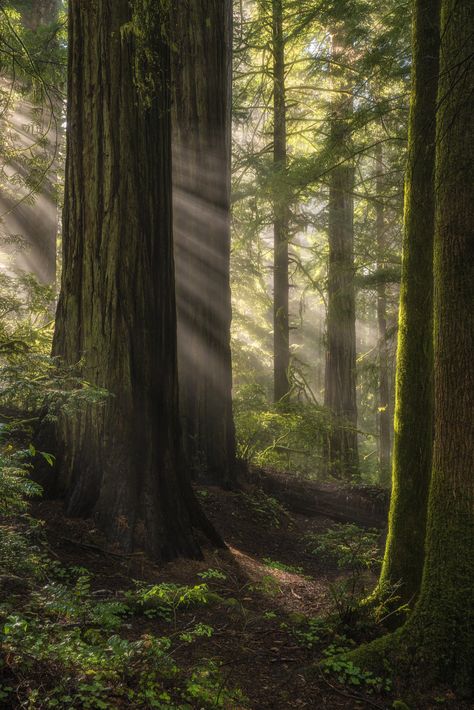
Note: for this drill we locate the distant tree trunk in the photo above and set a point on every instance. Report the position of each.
(384, 369)
(35, 13)
(340, 386)
(202, 85)
(404, 553)
(121, 463)
(37, 221)
(281, 214)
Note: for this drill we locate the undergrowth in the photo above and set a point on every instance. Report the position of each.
(281, 436)
(66, 645)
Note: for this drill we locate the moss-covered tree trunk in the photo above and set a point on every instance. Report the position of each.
(436, 645)
(442, 624)
(281, 213)
(202, 86)
(384, 420)
(340, 378)
(121, 463)
(404, 553)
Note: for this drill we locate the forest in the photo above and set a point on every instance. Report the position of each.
(236, 354)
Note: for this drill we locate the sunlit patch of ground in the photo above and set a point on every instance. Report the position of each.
(252, 639)
(262, 587)
(290, 591)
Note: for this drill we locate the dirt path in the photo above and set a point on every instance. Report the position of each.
(265, 585)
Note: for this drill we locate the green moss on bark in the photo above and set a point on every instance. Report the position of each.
(437, 642)
(150, 19)
(411, 473)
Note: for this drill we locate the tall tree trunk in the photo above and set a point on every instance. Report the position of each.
(384, 420)
(436, 645)
(404, 552)
(202, 86)
(116, 311)
(340, 385)
(281, 214)
(444, 617)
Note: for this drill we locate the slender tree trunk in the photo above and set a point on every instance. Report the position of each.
(202, 85)
(116, 311)
(281, 214)
(384, 369)
(404, 553)
(38, 116)
(340, 386)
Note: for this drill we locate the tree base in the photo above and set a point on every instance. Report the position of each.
(418, 657)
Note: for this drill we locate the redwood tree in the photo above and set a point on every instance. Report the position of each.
(116, 313)
(202, 86)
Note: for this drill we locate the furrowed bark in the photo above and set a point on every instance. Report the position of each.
(116, 313)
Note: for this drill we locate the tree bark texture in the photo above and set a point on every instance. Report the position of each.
(340, 380)
(404, 553)
(202, 86)
(116, 312)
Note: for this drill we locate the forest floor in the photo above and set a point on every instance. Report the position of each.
(265, 614)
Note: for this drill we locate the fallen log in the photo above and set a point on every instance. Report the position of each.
(345, 503)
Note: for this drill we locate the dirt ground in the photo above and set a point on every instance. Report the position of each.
(253, 642)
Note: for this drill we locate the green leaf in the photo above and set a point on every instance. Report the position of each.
(49, 458)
